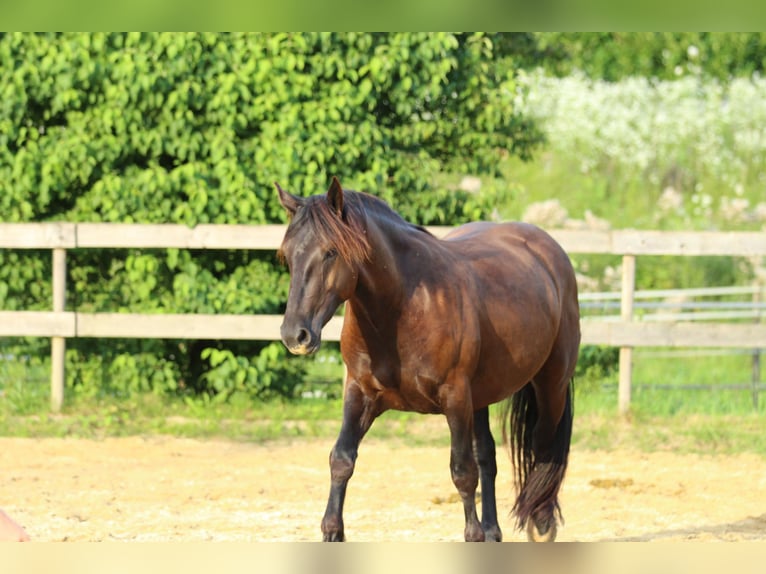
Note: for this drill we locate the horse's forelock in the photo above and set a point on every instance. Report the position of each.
(345, 232)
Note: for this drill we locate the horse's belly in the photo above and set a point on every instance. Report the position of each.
(506, 365)
(489, 390)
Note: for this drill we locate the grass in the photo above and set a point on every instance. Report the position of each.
(550, 176)
(701, 434)
(25, 412)
(692, 412)
(679, 419)
(148, 414)
(597, 425)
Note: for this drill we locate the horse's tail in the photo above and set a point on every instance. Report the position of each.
(538, 476)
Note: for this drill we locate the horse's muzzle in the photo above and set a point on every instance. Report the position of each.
(300, 340)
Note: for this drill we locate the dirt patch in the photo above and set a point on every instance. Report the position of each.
(171, 489)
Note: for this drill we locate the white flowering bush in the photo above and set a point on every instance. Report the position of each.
(698, 145)
(682, 154)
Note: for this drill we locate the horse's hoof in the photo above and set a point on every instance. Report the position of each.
(334, 537)
(474, 533)
(493, 535)
(534, 534)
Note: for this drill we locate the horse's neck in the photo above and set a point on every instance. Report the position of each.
(380, 280)
(399, 257)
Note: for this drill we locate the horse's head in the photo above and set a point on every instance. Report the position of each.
(323, 247)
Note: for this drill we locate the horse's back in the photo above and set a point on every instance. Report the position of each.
(509, 231)
(517, 246)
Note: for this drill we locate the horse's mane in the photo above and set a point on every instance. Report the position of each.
(348, 233)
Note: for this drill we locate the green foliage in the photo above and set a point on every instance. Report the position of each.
(670, 272)
(120, 372)
(25, 279)
(267, 375)
(24, 381)
(595, 363)
(194, 128)
(616, 55)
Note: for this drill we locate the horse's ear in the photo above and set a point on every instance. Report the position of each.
(289, 201)
(335, 196)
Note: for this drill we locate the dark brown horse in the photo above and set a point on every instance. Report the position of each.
(441, 326)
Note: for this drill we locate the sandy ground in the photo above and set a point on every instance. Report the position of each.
(168, 489)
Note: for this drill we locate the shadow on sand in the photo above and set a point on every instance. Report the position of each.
(750, 528)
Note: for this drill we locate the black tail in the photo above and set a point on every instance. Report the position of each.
(538, 476)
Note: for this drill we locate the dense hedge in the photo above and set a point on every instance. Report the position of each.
(194, 128)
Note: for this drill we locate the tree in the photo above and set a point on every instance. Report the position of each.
(663, 55)
(195, 128)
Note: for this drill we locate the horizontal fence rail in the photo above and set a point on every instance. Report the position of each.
(683, 304)
(625, 331)
(218, 236)
(266, 328)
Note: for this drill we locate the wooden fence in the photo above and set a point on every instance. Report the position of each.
(626, 333)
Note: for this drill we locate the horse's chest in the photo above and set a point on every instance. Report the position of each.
(419, 394)
(399, 383)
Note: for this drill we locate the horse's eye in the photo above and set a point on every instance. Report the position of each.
(330, 254)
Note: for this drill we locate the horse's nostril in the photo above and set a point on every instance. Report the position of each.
(303, 337)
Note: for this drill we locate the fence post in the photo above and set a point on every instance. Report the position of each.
(626, 314)
(58, 344)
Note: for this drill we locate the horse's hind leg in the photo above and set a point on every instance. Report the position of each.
(457, 407)
(485, 453)
(358, 414)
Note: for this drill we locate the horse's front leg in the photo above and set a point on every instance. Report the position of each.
(457, 405)
(358, 414)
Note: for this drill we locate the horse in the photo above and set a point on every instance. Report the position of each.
(444, 326)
